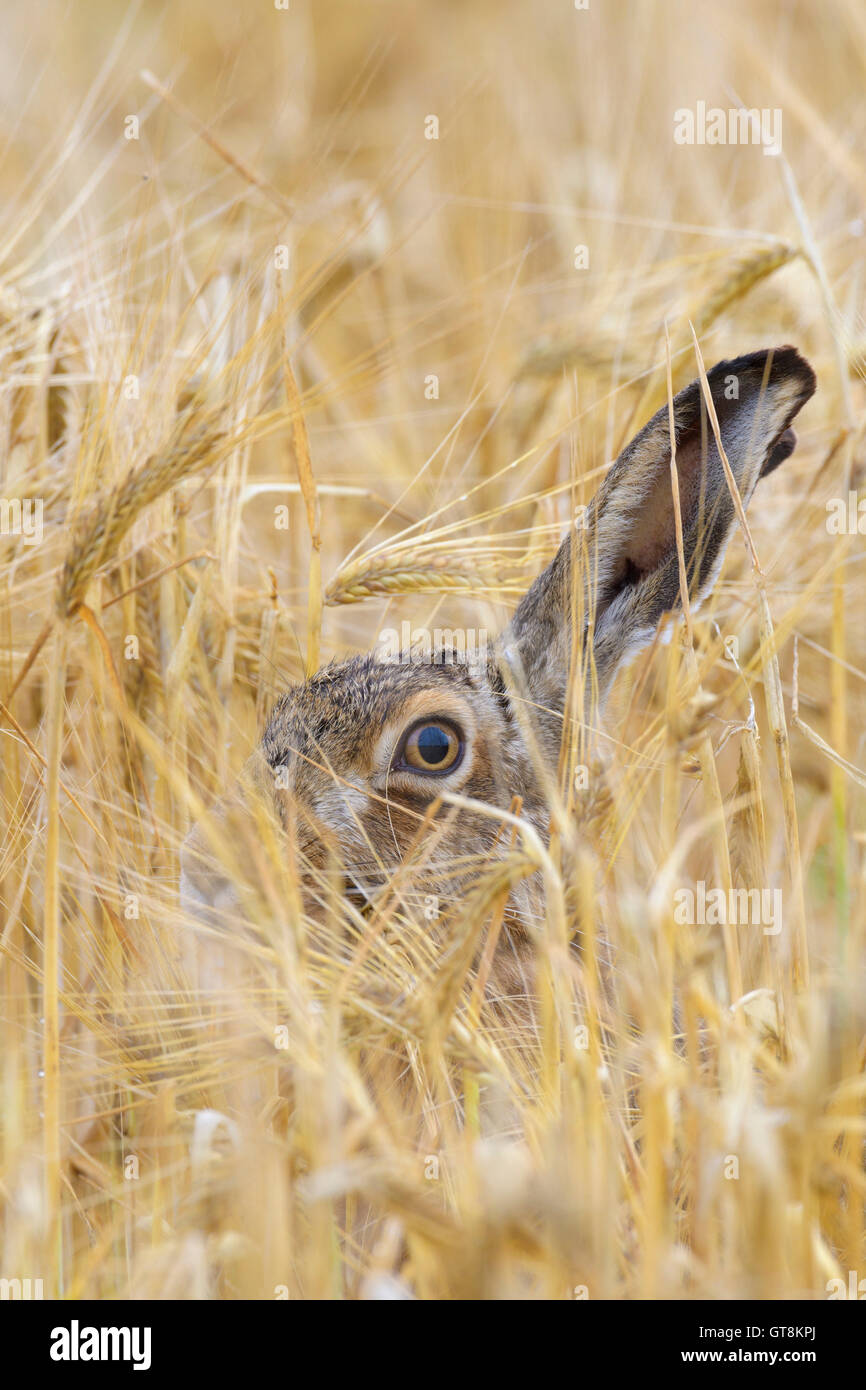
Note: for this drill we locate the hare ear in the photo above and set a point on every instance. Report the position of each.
(625, 550)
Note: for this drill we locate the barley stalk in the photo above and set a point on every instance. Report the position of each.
(781, 743)
(307, 483)
(198, 439)
(51, 958)
(741, 275)
(409, 571)
(205, 133)
(839, 636)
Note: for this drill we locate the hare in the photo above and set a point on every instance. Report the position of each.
(355, 756)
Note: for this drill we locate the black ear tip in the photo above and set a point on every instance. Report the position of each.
(787, 361)
(778, 365)
(781, 450)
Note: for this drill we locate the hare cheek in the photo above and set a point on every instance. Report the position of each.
(341, 808)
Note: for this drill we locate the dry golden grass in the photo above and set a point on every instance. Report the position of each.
(243, 309)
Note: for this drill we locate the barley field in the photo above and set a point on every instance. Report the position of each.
(317, 321)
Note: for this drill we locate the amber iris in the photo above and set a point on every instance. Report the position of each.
(432, 746)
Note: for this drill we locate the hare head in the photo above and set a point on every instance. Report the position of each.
(355, 756)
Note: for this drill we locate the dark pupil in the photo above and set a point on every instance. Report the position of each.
(433, 744)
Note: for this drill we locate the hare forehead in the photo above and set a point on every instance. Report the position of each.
(338, 716)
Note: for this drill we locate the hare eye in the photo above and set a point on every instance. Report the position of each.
(433, 746)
